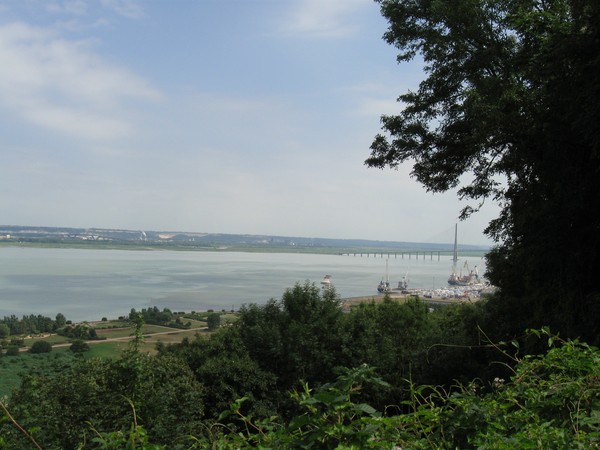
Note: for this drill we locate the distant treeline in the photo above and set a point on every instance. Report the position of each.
(155, 316)
(31, 324)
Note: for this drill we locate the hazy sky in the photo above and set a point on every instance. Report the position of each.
(211, 116)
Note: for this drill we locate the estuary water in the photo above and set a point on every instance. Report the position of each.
(91, 284)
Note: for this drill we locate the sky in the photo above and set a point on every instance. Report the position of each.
(216, 116)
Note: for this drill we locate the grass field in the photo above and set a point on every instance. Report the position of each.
(13, 368)
(116, 336)
(101, 325)
(108, 350)
(150, 341)
(54, 339)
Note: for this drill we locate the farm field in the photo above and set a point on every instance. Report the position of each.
(114, 339)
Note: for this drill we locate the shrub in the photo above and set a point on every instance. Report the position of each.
(41, 347)
(79, 346)
(17, 342)
(551, 401)
(12, 350)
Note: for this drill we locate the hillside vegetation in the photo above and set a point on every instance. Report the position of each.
(508, 112)
(299, 373)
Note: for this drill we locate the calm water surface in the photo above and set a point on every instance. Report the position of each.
(91, 284)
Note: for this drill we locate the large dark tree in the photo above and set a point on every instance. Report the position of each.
(511, 99)
(296, 337)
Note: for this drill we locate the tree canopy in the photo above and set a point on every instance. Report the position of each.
(509, 111)
(41, 347)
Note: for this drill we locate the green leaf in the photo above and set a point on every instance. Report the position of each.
(367, 409)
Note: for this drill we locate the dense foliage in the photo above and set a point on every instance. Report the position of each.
(63, 410)
(404, 376)
(512, 101)
(79, 346)
(550, 401)
(31, 324)
(213, 321)
(41, 347)
(155, 316)
(79, 331)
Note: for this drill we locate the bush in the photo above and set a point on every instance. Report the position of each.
(79, 346)
(17, 342)
(551, 401)
(12, 350)
(41, 347)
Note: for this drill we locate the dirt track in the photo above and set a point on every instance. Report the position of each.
(125, 338)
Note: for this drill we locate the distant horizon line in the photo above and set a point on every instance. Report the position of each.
(204, 233)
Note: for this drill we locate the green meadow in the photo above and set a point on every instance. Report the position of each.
(114, 339)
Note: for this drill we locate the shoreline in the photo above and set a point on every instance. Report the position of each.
(440, 296)
(223, 248)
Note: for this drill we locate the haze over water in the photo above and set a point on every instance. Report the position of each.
(91, 284)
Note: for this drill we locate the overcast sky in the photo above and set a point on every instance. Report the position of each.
(214, 116)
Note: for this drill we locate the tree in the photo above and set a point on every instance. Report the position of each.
(79, 331)
(511, 99)
(223, 364)
(394, 337)
(153, 315)
(4, 331)
(297, 337)
(79, 346)
(41, 347)
(60, 321)
(213, 321)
